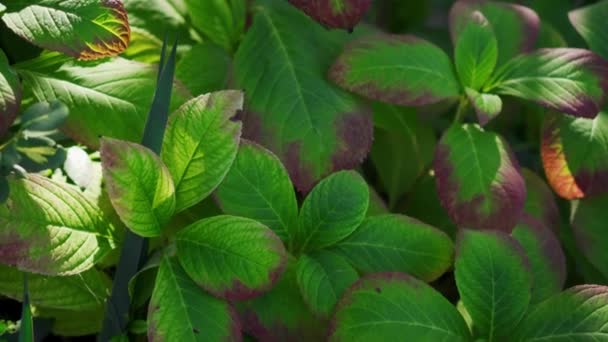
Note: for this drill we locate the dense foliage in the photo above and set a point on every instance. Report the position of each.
(271, 170)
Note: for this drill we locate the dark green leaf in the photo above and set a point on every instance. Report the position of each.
(332, 211)
(204, 68)
(494, 281)
(44, 116)
(258, 187)
(10, 94)
(590, 22)
(322, 278)
(577, 314)
(396, 307)
(397, 243)
(181, 311)
(402, 150)
(544, 252)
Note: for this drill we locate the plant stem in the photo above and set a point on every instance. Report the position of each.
(463, 106)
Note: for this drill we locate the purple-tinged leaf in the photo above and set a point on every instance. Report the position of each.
(574, 153)
(589, 227)
(590, 22)
(516, 27)
(281, 313)
(478, 179)
(540, 201)
(334, 13)
(51, 228)
(314, 127)
(544, 252)
(10, 94)
(568, 80)
(139, 185)
(231, 257)
(399, 69)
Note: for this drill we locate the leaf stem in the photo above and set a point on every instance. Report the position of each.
(463, 106)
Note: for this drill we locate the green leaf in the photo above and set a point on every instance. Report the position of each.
(144, 47)
(10, 94)
(397, 243)
(231, 257)
(476, 52)
(402, 150)
(73, 322)
(26, 326)
(334, 13)
(478, 179)
(281, 314)
(574, 152)
(159, 17)
(589, 227)
(221, 21)
(494, 281)
(311, 125)
(516, 27)
(487, 106)
(403, 70)
(86, 29)
(118, 90)
(139, 185)
(200, 145)
(181, 311)
(589, 22)
(44, 116)
(83, 291)
(42, 216)
(540, 201)
(376, 204)
(577, 314)
(544, 252)
(396, 307)
(568, 80)
(204, 68)
(258, 187)
(427, 207)
(322, 278)
(333, 210)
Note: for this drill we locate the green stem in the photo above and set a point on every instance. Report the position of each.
(463, 106)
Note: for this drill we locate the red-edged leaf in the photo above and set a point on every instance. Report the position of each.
(516, 27)
(575, 154)
(478, 179)
(334, 13)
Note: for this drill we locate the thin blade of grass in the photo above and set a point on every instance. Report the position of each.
(26, 327)
(135, 247)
